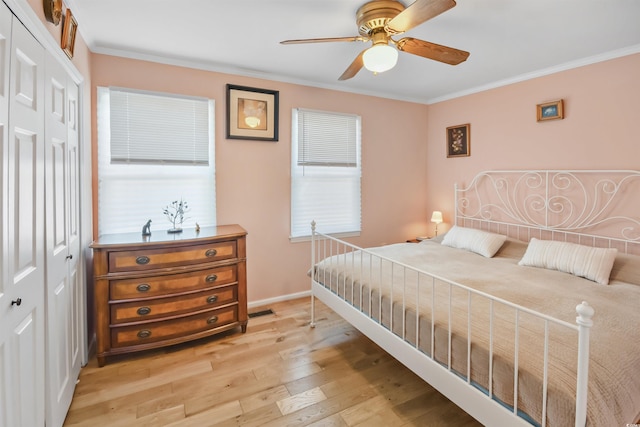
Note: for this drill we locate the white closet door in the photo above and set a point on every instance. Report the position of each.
(62, 243)
(6, 409)
(5, 51)
(22, 301)
(76, 275)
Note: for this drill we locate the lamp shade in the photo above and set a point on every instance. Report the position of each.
(436, 217)
(380, 57)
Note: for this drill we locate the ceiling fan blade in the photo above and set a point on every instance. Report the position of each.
(417, 13)
(326, 39)
(353, 69)
(429, 50)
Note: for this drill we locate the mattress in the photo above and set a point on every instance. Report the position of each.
(418, 306)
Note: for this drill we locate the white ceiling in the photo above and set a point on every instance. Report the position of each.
(509, 40)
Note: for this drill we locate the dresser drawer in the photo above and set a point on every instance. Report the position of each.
(140, 260)
(144, 333)
(150, 287)
(163, 307)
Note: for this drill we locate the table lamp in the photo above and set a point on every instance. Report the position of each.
(436, 217)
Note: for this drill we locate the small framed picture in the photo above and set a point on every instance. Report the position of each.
(53, 11)
(550, 110)
(459, 140)
(252, 113)
(69, 29)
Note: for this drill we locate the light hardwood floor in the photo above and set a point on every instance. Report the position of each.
(280, 373)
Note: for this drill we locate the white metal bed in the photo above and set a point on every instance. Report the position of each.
(594, 208)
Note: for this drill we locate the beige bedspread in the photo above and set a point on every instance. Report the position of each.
(614, 367)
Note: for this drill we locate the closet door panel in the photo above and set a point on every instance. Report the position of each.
(26, 174)
(76, 331)
(60, 159)
(77, 308)
(26, 260)
(56, 143)
(6, 399)
(5, 407)
(5, 50)
(73, 171)
(26, 345)
(22, 328)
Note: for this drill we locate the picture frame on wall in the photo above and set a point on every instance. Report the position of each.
(252, 113)
(553, 110)
(53, 11)
(459, 140)
(69, 30)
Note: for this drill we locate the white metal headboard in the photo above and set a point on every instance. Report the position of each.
(591, 207)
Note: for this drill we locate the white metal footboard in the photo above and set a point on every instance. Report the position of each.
(373, 312)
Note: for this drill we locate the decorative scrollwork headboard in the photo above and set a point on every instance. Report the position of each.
(593, 207)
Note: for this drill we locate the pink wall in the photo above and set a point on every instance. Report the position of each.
(602, 108)
(253, 178)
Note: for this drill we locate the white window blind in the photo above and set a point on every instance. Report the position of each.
(325, 172)
(156, 167)
(327, 139)
(153, 128)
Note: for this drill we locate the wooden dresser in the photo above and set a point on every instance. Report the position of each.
(163, 289)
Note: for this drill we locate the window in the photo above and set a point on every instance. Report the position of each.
(153, 149)
(325, 172)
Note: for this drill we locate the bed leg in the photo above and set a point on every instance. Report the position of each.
(313, 311)
(313, 261)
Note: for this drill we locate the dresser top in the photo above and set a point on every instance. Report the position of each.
(188, 235)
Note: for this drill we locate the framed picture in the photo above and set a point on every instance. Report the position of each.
(550, 110)
(69, 29)
(252, 113)
(53, 11)
(459, 140)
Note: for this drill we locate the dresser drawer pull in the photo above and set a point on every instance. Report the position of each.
(211, 278)
(143, 311)
(211, 252)
(212, 299)
(143, 287)
(142, 260)
(211, 320)
(145, 333)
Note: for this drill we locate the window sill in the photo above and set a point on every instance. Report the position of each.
(299, 239)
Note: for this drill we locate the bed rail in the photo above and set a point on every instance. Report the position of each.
(374, 314)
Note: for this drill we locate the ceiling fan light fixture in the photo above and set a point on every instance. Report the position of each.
(380, 58)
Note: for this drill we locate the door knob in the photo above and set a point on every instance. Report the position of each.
(70, 256)
(17, 302)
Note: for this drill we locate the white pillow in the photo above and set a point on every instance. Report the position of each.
(584, 261)
(478, 241)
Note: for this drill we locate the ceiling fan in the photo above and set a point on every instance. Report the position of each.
(378, 20)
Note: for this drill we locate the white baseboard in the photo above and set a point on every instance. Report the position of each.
(264, 302)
